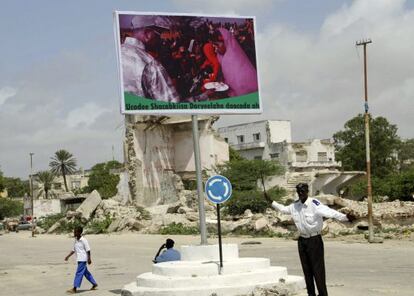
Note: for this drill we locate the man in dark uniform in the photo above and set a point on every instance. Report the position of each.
(308, 213)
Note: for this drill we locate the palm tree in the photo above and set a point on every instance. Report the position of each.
(63, 163)
(45, 178)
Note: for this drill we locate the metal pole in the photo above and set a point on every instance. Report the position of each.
(367, 144)
(197, 160)
(31, 182)
(219, 237)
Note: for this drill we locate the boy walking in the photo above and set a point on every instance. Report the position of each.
(83, 255)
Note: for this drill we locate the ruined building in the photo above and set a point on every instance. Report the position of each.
(159, 155)
(311, 161)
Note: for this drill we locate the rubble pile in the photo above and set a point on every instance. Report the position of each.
(280, 290)
(120, 217)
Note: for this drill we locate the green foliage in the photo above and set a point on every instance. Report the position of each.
(49, 220)
(350, 145)
(100, 226)
(234, 155)
(399, 186)
(45, 178)
(102, 180)
(2, 185)
(10, 208)
(144, 213)
(276, 193)
(395, 186)
(253, 200)
(179, 229)
(243, 200)
(16, 187)
(406, 155)
(63, 163)
(244, 173)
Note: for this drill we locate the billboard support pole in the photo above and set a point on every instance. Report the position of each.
(197, 159)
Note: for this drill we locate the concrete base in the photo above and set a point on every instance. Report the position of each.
(199, 275)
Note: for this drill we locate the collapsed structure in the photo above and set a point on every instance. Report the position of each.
(311, 161)
(159, 153)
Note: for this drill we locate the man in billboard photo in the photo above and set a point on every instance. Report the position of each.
(143, 75)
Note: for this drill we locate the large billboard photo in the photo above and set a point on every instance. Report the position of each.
(171, 63)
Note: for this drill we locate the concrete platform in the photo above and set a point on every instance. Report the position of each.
(209, 268)
(295, 283)
(209, 252)
(199, 275)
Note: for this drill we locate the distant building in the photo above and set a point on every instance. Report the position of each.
(75, 181)
(255, 140)
(311, 161)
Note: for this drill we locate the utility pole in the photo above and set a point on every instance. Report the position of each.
(367, 144)
(31, 182)
(113, 153)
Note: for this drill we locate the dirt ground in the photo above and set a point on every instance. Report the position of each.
(35, 266)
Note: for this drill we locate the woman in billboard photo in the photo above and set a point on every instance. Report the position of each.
(238, 72)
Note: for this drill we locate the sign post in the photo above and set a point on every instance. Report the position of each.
(218, 190)
(201, 90)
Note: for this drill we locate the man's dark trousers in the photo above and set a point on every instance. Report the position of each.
(313, 264)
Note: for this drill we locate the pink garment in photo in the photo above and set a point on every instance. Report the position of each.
(239, 73)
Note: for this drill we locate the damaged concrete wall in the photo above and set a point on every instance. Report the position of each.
(44, 207)
(213, 148)
(159, 148)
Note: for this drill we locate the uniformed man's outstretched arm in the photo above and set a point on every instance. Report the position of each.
(327, 212)
(281, 208)
(277, 206)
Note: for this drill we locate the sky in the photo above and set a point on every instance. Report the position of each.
(59, 81)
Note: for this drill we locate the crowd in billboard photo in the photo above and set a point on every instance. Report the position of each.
(187, 58)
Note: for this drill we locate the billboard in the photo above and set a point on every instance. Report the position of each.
(194, 64)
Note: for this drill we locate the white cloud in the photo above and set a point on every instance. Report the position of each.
(363, 14)
(312, 78)
(6, 93)
(85, 115)
(229, 7)
(69, 102)
(316, 79)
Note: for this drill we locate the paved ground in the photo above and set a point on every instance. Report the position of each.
(35, 266)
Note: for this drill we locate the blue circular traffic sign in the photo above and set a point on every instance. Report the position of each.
(218, 189)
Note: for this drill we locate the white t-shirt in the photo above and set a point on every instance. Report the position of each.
(81, 247)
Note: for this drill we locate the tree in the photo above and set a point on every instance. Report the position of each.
(234, 154)
(2, 186)
(63, 163)
(350, 145)
(245, 173)
(45, 178)
(10, 208)
(103, 180)
(16, 187)
(406, 155)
